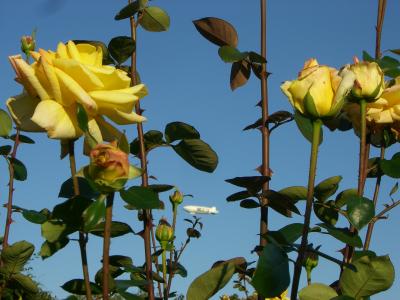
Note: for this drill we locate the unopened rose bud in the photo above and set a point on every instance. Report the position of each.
(309, 263)
(28, 44)
(176, 198)
(164, 233)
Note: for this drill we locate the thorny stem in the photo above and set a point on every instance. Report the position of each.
(385, 211)
(10, 191)
(307, 216)
(375, 200)
(164, 271)
(147, 219)
(82, 239)
(379, 25)
(106, 245)
(171, 256)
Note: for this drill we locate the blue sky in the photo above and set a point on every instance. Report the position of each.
(188, 82)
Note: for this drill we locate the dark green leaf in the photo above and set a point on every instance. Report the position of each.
(252, 183)
(129, 296)
(175, 131)
(93, 214)
(26, 284)
(327, 212)
(20, 172)
(130, 10)
(177, 269)
(327, 188)
(70, 211)
(117, 229)
(373, 168)
(358, 254)
(394, 189)
(391, 167)
(82, 117)
(85, 190)
(15, 256)
(230, 54)
(77, 286)
(198, 154)
(5, 150)
(343, 234)
(107, 60)
(367, 57)
(306, 127)
(152, 139)
(125, 284)
(217, 31)
(295, 193)
(240, 73)
(317, 291)
(53, 230)
(22, 139)
(34, 216)
(281, 203)
(343, 297)
(5, 123)
(342, 197)
(123, 143)
(121, 261)
(395, 51)
(271, 277)
(360, 211)
(249, 203)
(374, 275)
(160, 188)
(121, 48)
(256, 58)
(238, 196)
(48, 249)
(287, 235)
(141, 197)
(154, 19)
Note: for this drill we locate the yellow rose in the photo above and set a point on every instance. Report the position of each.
(369, 83)
(57, 81)
(319, 91)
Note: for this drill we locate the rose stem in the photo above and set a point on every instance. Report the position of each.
(147, 219)
(82, 239)
(307, 216)
(106, 245)
(10, 191)
(171, 256)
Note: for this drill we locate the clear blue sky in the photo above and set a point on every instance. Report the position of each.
(188, 82)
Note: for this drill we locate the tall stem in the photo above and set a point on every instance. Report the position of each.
(265, 128)
(82, 239)
(164, 271)
(307, 216)
(147, 218)
(10, 192)
(379, 25)
(371, 225)
(106, 245)
(171, 256)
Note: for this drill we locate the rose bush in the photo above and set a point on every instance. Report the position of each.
(56, 82)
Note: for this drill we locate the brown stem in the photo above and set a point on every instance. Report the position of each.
(82, 238)
(147, 218)
(385, 211)
(375, 200)
(379, 25)
(106, 245)
(10, 192)
(171, 256)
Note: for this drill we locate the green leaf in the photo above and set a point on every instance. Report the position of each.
(391, 167)
(360, 211)
(249, 203)
(280, 203)
(240, 74)
(94, 214)
(253, 184)
(327, 188)
(77, 286)
(344, 297)
(238, 196)
(271, 277)
(230, 54)
(198, 154)
(107, 60)
(256, 58)
(85, 190)
(121, 48)
(326, 212)
(82, 117)
(130, 10)
(121, 261)
(217, 31)
(178, 269)
(71, 210)
(209, 283)
(317, 291)
(20, 172)
(117, 229)
(5, 124)
(22, 139)
(306, 127)
(48, 249)
(358, 254)
(15, 256)
(152, 139)
(342, 197)
(160, 188)
(123, 143)
(126, 284)
(26, 284)
(175, 131)
(394, 189)
(367, 57)
(154, 19)
(34, 216)
(5, 150)
(374, 275)
(343, 235)
(295, 193)
(287, 235)
(129, 296)
(54, 230)
(141, 197)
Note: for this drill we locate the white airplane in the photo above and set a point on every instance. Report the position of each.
(194, 209)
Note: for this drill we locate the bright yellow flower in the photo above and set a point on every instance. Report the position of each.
(319, 91)
(57, 81)
(281, 297)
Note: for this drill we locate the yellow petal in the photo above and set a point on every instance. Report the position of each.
(62, 51)
(87, 79)
(112, 99)
(321, 90)
(95, 131)
(384, 117)
(122, 118)
(21, 108)
(29, 75)
(392, 95)
(60, 122)
(52, 79)
(73, 51)
(79, 93)
(112, 78)
(90, 54)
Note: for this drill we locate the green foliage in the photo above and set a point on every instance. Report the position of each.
(77, 286)
(327, 188)
(5, 124)
(22, 139)
(154, 19)
(20, 172)
(327, 212)
(85, 189)
(253, 184)
(286, 235)
(391, 167)
(373, 275)
(93, 214)
(131, 9)
(53, 230)
(305, 126)
(271, 277)
(152, 140)
(343, 234)
(360, 211)
(121, 48)
(230, 54)
(49, 249)
(176, 131)
(117, 229)
(141, 198)
(217, 31)
(240, 74)
(317, 291)
(82, 117)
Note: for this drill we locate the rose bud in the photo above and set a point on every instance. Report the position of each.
(164, 233)
(28, 44)
(176, 198)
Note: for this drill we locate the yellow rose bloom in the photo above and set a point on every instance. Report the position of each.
(57, 81)
(319, 91)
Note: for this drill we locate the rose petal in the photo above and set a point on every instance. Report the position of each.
(21, 108)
